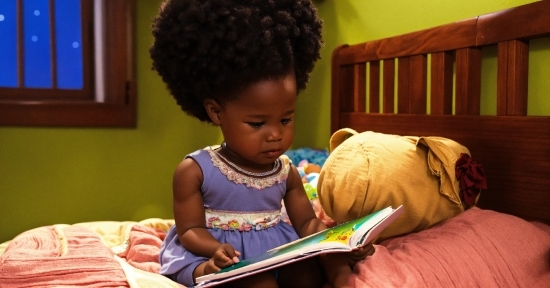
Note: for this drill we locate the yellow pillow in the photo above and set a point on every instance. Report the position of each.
(369, 171)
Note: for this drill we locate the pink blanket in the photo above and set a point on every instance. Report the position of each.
(478, 248)
(59, 256)
(144, 247)
(83, 255)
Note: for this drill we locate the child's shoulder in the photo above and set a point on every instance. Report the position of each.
(202, 152)
(202, 158)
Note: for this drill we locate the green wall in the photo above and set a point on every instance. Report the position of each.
(58, 175)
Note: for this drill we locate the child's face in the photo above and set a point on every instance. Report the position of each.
(259, 125)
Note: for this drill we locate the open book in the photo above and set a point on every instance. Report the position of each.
(341, 238)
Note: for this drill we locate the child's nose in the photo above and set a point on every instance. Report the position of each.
(275, 134)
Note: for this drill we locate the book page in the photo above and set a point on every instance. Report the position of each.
(374, 224)
(307, 245)
(341, 238)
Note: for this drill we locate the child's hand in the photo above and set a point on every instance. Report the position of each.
(360, 254)
(224, 256)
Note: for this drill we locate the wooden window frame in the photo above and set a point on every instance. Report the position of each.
(118, 108)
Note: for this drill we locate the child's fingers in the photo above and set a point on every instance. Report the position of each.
(228, 250)
(362, 253)
(366, 250)
(231, 252)
(211, 267)
(236, 257)
(227, 256)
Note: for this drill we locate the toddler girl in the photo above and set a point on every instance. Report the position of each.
(239, 64)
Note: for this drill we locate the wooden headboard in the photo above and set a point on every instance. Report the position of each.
(513, 148)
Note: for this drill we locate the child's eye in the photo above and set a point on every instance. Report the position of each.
(255, 124)
(286, 121)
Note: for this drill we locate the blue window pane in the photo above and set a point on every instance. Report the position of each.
(36, 33)
(68, 44)
(8, 44)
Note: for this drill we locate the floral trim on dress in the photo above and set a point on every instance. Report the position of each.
(241, 221)
(253, 182)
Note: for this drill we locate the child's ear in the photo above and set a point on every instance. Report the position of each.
(213, 109)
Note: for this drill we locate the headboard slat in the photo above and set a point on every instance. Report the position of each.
(374, 83)
(403, 85)
(352, 78)
(513, 61)
(442, 83)
(417, 93)
(359, 87)
(388, 86)
(468, 81)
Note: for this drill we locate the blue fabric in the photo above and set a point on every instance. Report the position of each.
(315, 156)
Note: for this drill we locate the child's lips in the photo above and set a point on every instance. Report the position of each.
(273, 153)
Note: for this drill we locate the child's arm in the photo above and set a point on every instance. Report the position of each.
(337, 266)
(299, 208)
(190, 221)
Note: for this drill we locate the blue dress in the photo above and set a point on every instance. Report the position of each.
(241, 210)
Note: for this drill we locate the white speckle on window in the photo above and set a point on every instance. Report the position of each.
(34, 38)
(36, 12)
(76, 45)
(1, 17)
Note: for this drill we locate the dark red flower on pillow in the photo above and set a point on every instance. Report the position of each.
(471, 178)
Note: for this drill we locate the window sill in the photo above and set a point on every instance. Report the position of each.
(73, 113)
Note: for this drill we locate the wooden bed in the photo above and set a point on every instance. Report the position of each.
(513, 148)
(429, 83)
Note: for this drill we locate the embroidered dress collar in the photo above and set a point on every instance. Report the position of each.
(253, 182)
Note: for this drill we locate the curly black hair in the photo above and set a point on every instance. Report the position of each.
(213, 49)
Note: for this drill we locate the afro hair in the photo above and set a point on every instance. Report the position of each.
(214, 49)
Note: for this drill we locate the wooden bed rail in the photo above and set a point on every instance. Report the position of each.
(514, 148)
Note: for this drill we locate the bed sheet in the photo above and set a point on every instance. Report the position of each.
(479, 247)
